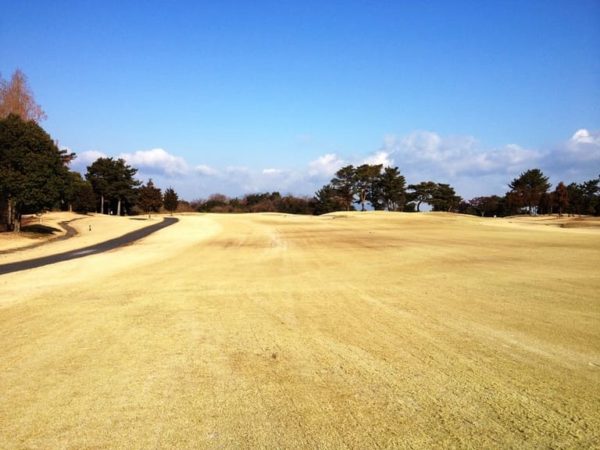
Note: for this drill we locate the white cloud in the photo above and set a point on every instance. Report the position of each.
(90, 156)
(471, 167)
(454, 155)
(583, 146)
(325, 166)
(203, 169)
(380, 157)
(237, 170)
(157, 161)
(584, 136)
(272, 172)
(84, 159)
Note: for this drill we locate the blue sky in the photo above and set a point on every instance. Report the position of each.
(244, 96)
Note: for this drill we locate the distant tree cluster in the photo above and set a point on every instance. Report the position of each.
(117, 191)
(383, 188)
(114, 184)
(440, 196)
(530, 193)
(265, 202)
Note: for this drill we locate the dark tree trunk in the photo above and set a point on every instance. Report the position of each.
(16, 220)
(14, 217)
(4, 225)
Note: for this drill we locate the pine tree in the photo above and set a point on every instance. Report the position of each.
(365, 177)
(113, 181)
(344, 184)
(422, 193)
(561, 198)
(33, 174)
(149, 198)
(527, 189)
(389, 190)
(171, 200)
(327, 200)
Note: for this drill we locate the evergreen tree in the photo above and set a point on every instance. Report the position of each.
(327, 200)
(85, 199)
(561, 198)
(527, 189)
(486, 206)
(546, 203)
(422, 193)
(344, 184)
(388, 190)
(365, 177)
(113, 181)
(33, 174)
(576, 198)
(171, 200)
(149, 198)
(79, 194)
(591, 199)
(444, 198)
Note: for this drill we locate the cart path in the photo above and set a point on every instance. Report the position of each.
(86, 251)
(69, 233)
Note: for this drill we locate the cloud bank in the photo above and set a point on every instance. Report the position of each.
(470, 166)
(156, 161)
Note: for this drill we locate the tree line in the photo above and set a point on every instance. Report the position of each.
(367, 186)
(118, 192)
(35, 176)
(531, 193)
(386, 189)
(260, 202)
(382, 188)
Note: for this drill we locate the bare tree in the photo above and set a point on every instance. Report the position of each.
(16, 98)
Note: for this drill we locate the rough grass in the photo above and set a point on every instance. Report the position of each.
(351, 330)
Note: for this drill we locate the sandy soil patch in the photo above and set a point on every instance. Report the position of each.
(342, 331)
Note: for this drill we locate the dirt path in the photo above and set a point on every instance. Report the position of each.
(275, 331)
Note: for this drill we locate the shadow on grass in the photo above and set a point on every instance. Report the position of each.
(39, 229)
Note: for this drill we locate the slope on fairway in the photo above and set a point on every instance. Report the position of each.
(347, 330)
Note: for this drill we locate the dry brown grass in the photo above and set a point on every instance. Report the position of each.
(103, 227)
(349, 330)
(47, 224)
